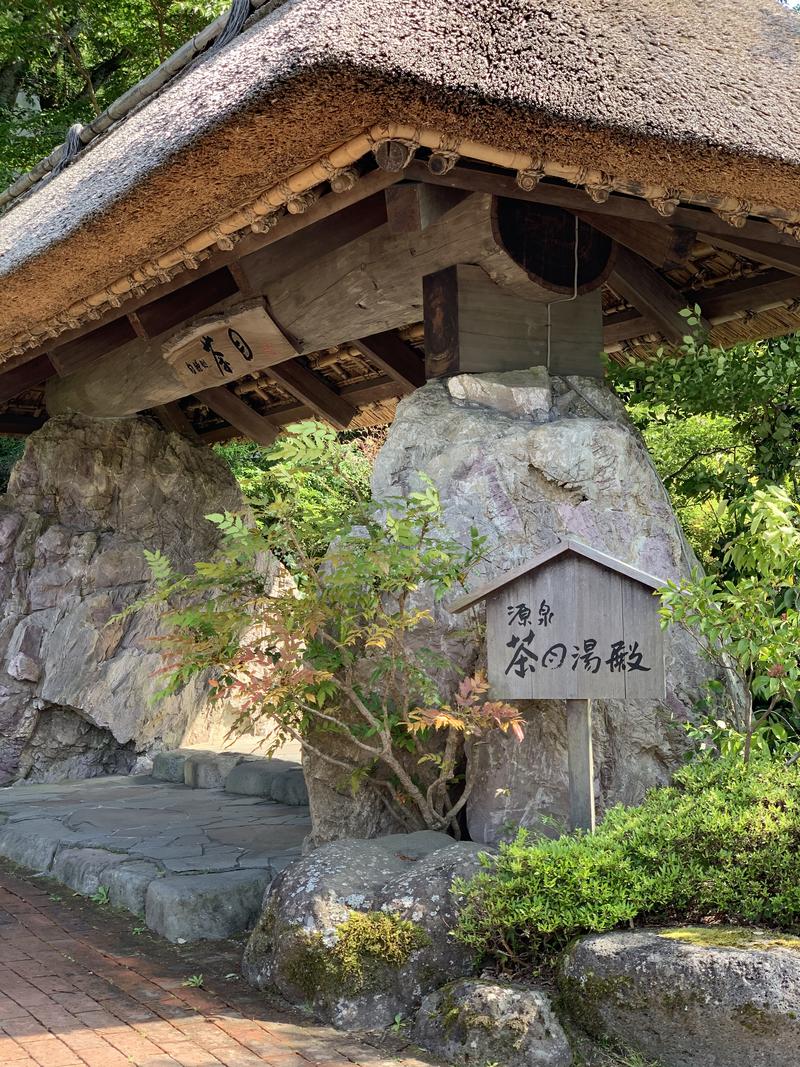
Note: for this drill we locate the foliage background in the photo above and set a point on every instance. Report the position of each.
(65, 61)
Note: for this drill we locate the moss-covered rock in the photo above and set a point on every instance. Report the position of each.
(689, 996)
(475, 1022)
(360, 930)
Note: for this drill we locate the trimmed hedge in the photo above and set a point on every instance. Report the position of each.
(722, 842)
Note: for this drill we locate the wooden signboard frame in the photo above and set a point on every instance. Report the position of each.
(577, 625)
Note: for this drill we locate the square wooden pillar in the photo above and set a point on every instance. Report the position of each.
(473, 325)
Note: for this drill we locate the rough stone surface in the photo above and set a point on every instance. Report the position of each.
(713, 997)
(525, 483)
(276, 779)
(196, 907)
(408, 876)
(475, 1022)
(75, 691)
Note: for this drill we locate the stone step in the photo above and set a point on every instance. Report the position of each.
(235, 772)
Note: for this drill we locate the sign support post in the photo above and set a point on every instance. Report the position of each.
(581, 765)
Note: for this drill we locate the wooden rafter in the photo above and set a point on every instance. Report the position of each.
(395, 357)
(239, 414)
(313, 392)
(173, 418)
(666, 247)
(413, 206)
(720, 304)
(634, 278)
(27, 376)
(780, 256)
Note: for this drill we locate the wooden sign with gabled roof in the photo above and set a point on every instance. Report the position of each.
(573, 624)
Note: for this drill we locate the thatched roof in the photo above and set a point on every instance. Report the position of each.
(700, 94)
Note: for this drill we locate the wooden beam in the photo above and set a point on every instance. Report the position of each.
(413, 206)
(441, 306)
(720, 304)
(312, 391)
(576, 200)
(29, 375)
(266, 265)
(634, 279)
(780, 256)
(663, 246)
(197, 296)
(240, 415)
(75, 355)
(474, 325)
(394, 357)
(331, 204)
(174, 420)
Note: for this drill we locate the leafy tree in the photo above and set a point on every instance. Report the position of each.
(64, 61)
(344, 650)
(11, 448)
(750, 626)
(318, 497)
(720, 424)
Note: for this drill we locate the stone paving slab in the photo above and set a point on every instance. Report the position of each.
(194, 864)
(78, 989)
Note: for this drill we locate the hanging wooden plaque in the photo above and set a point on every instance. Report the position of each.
(222, 348)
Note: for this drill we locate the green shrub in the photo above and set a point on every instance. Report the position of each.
(722, 842)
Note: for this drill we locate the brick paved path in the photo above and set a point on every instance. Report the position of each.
(79, 989)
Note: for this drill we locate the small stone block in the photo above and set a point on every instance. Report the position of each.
(168, 766)
(208, 770)
(276, 779)
(205, 906)
(128, 882)
(84, 869)
(32, 850)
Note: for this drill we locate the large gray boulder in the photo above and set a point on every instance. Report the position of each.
(83, 503)
(472, 1022)
(528, 459)
(360, 930)
(694, 997)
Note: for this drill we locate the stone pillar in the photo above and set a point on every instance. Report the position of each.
(83, 503)
(529, 458)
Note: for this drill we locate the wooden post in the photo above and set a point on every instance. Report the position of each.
(581, 765)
